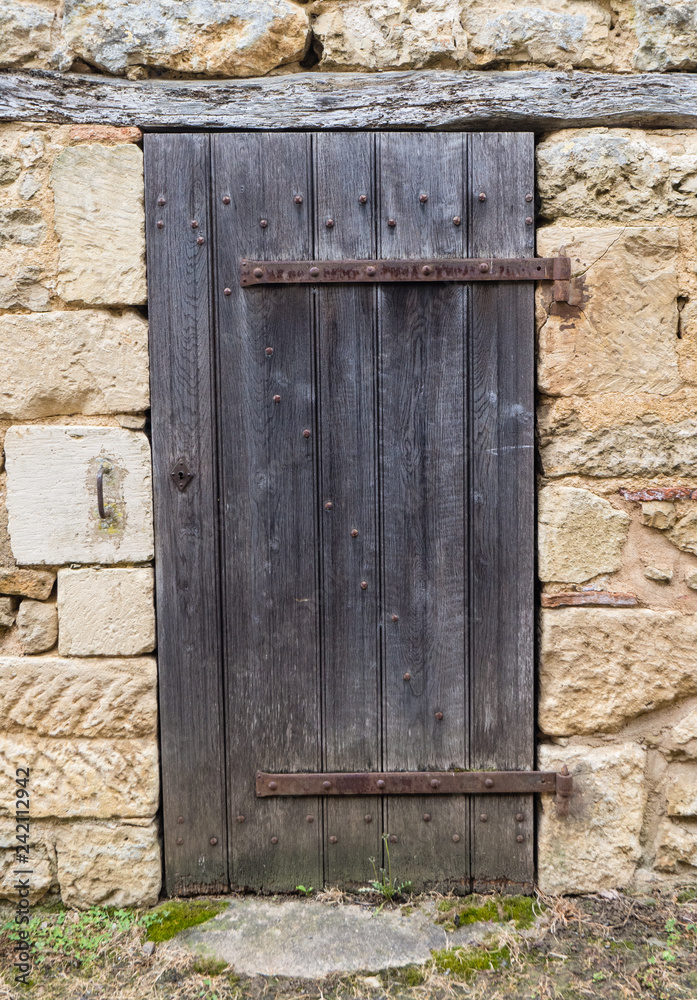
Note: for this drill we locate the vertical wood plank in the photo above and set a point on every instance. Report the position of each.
(346, 330)
(269, 489)
(186, 545)
(423, 433)
(502, 533)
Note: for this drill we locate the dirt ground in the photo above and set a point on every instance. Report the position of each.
(570, 948)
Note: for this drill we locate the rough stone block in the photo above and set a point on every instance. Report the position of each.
(100, 222)
(580, 535)
(617, 174)
(97, 778)
(21, 225)
(211, 37)
(597, 845)
(52, 495)
(7, 613)
(658, 514)
(42, 866)
(390, 34)
(601, 667)
(23, 283)
(684, 533)
(624, 336)
(681, 790)
(84, 361)
(50, 696)
(106, 612)
(676, 846)
(666, 33)
(25, 35)
(551, 34)
(37, 583)
(37, 626)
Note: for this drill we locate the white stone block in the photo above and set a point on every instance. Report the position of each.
(37, 626)
(52, 495)
(106, 612)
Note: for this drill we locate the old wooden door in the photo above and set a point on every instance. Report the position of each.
(345, 583)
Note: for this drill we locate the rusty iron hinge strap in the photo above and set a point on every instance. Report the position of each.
(274, 272)
(421, 783)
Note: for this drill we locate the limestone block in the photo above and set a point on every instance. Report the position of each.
(210, 37)
(36, 583)
(676, 846)
(41, 864)
(645, 446)
(37, 626)
(666, 33)
(10, 168)
(686, 730)
(623, 338)
(601, 667)
(681, 790)
(390, 34)
(52, 495)
(580, 535)
(557, 33)
(658, 574)
(83, 361)
(23, 283)
(597, 845)
(50, 696)
(25, 34)
(96, 778)
(22, 225)
(691, 580)
(106, 612)
(100, 222)
(7, 613)
(108, 864)
(684, 533)
(617, 174)
(658, 514)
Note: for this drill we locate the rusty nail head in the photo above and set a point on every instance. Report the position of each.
(227, 291)
(519, 817)
(273, 786)
(439, 716)
(354, 532)
(258, 272)
(426, 269)
(277, 398)
(407, 677)
(200, 240)
(423, 198)
(226, 199)
(298, 199)
(329, 505)
(214, 841)
(263, 223)
(363, 198)
(240, 819)
(194, 224)
(381, 783)
(310, 819)
(565, 771)
(274, 840)
(179, 840)
(427, 817)
(314, 271)
(484, 267)
(368, 818)
(528, 221)
(456, 220)
(161, 201)
(482, 196)
(364, 584)
(435, 783)
(483, 818)
(395, 618)
(329, 223)
(180, 819)
(333, 840)
(391, 222)
(489, 783)
(160, 224)
(269, 351)
(370, 270)
(326, 785)
(528, 197)
(306, 433)
(393, 838)
(520, 838)
(456, 838)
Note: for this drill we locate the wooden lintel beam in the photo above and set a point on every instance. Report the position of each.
(537, 100)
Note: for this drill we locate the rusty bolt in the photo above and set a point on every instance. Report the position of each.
(200, 241)
(380, 783)
(370, 270)
(160, 224)
(519, 817)
(263, 223)
(306, 433)
(277, 398)
(329, 505)
(314, 271)
(227, 291)
(298, 199)
(269, 351)
(354, 532)
(435, 783)
(310, 819)
(180, 840)
(364, 584)
(528, 221)
(456, 220)
(326, 785)
(423, 198)
(482, 196)
(528, 197)
(226, 199)
(329, 223)
(484, 267)
(456, 838)
(240, 819)
(395, 618)
(427, 817)
(520, 838)
(368, 818)
(363, 198)
(214, 841)
(161, 201)
(333, 840)
(258, 272)
(426, 269)
(273, 786)
(393, 838)
(194, 224)
(483, 818)
(489, 783)
(407, 677)
(274, 840)
(392, 223)
(439, 716)
(180, 819)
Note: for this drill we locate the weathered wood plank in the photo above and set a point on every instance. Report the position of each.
(536, 100)
(268, 485)
(186, 543)
(423, 412)
(502, 492)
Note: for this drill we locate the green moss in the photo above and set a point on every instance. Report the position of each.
(410, 975)
(446, 905)
(687, 895)
(474, 914)
(500, 909)
(521, 909)
(464, 963)
(176, 915)
(210, 966)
